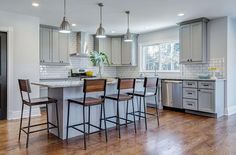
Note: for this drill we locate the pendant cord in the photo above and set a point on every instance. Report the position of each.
(100, 5)
(127, 12)
(64, 8)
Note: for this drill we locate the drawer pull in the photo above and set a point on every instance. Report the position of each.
(190, 93)
(189, 104)
(190, 84)
(206, 85)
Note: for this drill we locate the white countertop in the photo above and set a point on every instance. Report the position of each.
(189, 78)
(66, 83)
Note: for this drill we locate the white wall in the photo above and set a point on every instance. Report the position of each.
(23, 56)
(217, 40)
(231, 63)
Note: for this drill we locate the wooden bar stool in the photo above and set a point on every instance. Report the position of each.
(90, 86)
(149, 83)
(123, 84)
(25, 90)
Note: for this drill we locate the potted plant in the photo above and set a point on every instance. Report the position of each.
(98, 59)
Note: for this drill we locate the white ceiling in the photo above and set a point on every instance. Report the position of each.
(146, 15)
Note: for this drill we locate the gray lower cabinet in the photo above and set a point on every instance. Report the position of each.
(54, 47)
(206, 100)
(204, 96)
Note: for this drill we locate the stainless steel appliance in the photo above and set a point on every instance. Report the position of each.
(172, 93)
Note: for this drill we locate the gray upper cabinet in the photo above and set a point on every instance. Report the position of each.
(45, 45)
(129, 52)
(119, 52)
(193, 41)
(116, 51)
(103, 45)
(54, 47)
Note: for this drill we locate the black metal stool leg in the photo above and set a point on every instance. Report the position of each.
(157, 112)
(68, 119)
(28, 132)
(105, 124)
(100, 123)
(58, 130)
(22, 111)
(145, 113)
(127, 110)
(88, 120)
(118, 117)
(134, 116)
(140, 109)
(84, 128)
(47, 119)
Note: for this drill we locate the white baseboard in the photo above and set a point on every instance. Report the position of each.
(16, 114)
(231, 110)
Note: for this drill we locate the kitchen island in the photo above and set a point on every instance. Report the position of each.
(64, 90)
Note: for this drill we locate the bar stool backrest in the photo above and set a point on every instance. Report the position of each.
(126, 84)
(24, 85)
(151, 82)
(94, 85)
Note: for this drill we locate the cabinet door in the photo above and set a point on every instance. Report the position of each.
(126, 53)
(103, 45)
(63, 48)
(116, 51)
(185, 43)
(45, 45)
(206, 100)
(55, 46)
(196, 42)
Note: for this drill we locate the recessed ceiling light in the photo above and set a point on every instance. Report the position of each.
(147, 27)
(73, 24)
(181, 14)
(113, 31)
(35, 4)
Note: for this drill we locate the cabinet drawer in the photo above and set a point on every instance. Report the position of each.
(190, 93)
(190, 104)
(190, 84)
(206, 85)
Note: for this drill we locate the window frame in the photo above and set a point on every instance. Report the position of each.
(141, 58)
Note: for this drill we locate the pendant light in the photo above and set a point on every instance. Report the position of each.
(100, 31)
(128, 35)
(65, 25)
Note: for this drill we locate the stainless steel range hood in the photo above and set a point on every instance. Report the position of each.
(82, 39)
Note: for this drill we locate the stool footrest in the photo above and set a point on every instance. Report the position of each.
(75, 127)
(108, 119)
(35, 125)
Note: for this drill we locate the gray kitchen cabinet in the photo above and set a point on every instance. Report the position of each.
(206, 100)
(204, 96)
(45, 45)
(185, 42)
(63, 48)
(54, 46)
(119, 52)
(129, 52)
(193, 41)
(103, 45)
(116, 51)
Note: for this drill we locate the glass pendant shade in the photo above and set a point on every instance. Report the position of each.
(65, 26)
(100, 32)
(128, 37)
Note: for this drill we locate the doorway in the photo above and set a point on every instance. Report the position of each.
(3, 75)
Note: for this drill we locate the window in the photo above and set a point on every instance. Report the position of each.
(162, 57)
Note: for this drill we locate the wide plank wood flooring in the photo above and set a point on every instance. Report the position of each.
(178, 134)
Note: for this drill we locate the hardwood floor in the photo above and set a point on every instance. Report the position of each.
(179, 133)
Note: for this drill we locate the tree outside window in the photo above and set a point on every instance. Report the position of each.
(161, 57)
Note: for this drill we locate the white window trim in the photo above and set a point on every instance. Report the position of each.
(141, 58)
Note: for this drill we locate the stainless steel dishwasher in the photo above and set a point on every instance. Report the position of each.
(172, 93)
